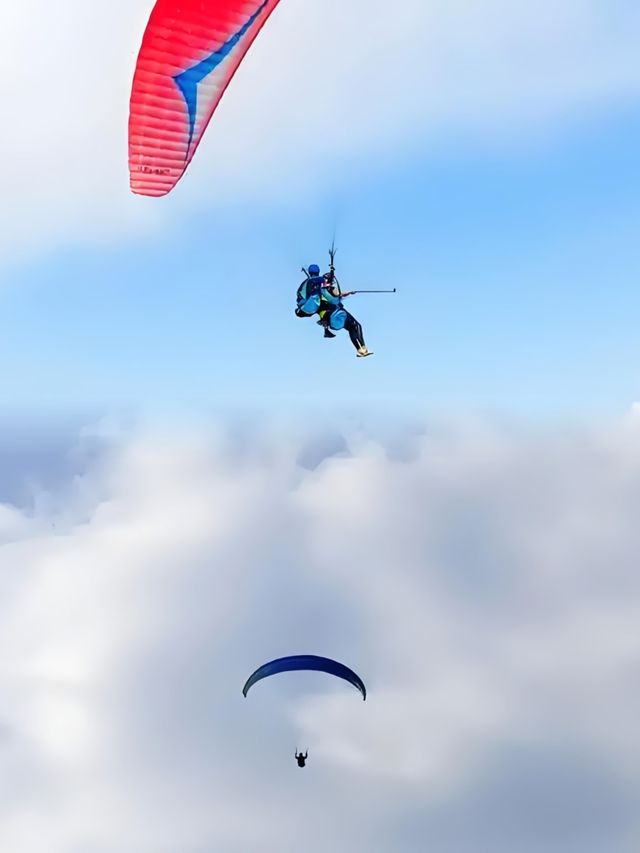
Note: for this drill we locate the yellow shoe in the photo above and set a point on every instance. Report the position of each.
(363, 352)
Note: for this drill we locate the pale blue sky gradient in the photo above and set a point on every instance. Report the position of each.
(517, 270)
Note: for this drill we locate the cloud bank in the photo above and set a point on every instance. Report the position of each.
(482, 581)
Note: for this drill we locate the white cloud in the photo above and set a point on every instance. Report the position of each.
(484, 584)
(341, 86)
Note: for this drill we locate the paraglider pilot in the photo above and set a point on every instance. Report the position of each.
(318, 295)
(301, 759)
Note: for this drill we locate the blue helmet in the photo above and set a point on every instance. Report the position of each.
(314, 269)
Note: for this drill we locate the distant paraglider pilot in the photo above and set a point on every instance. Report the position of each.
(305, 663)
(319, 294)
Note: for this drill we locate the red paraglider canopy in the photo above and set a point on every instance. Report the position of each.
(190, 51)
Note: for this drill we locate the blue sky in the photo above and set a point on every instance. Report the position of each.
(509, 229)
(516, 272)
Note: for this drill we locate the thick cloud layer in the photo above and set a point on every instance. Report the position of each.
(370, 82)
(483, 582)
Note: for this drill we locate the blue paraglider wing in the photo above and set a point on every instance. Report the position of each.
(306, 662)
